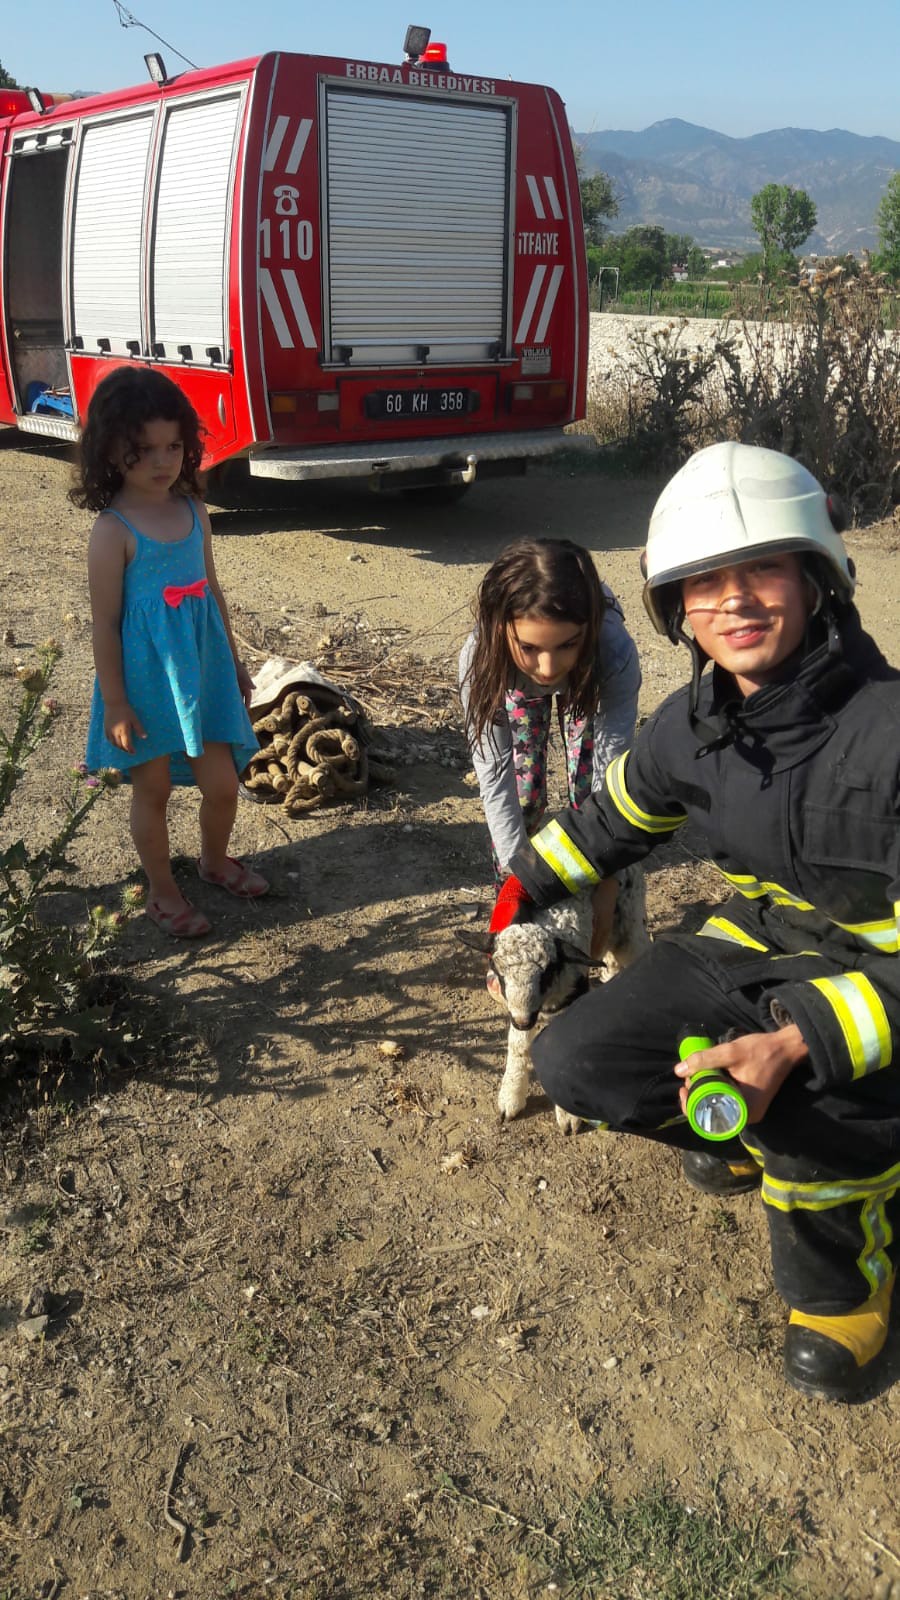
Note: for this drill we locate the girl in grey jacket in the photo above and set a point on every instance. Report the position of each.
(547, 633)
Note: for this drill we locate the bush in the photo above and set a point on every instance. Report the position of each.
(824, 386)
(818, 378)
(47, 970)
(660, 402)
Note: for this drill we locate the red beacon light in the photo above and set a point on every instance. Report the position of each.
(435, 56)
(13, 101)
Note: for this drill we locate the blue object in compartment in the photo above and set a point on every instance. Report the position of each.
(38, 397)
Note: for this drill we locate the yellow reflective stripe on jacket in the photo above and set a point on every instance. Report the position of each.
(644, 820)
(721, 928)
(862, 1018)
(564, 858)
(753, 889)
(883, 936)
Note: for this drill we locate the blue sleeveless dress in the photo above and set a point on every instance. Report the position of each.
(177, 662)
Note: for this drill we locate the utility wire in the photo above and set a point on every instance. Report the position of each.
(129, 20)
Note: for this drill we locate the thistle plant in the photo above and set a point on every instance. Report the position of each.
(46, 968)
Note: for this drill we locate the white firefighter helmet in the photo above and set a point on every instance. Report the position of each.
(728, 503)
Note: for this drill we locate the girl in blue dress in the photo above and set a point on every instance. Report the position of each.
(171, 694)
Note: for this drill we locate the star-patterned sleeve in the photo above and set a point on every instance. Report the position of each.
(495, 771)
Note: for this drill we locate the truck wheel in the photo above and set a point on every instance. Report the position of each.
(437, 494)
(229, 485)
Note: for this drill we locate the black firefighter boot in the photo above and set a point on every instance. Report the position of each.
(834, 1356)
(715, 1175)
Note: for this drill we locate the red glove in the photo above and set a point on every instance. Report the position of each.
(511, 901)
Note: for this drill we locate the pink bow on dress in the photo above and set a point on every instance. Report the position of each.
(174, 593)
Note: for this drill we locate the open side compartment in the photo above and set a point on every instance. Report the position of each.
(33, 274)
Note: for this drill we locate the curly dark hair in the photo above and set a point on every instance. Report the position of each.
(554, 579)
(120, 409)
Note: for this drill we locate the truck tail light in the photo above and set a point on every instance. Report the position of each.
(294, 402)
(547, 395)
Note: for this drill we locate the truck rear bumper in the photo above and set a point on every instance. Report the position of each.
(413, 455)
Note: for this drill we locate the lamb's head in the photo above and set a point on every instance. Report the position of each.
(532, 972)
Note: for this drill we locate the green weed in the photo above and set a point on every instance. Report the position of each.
(722, 1221)
(37, 1236)
(254, 1343)
(46, 969)
(655, 1547)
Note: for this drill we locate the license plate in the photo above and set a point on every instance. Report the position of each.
(422, 402)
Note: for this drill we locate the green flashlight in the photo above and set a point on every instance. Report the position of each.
(715, 1106)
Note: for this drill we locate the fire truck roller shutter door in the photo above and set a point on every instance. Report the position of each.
(107, 232)
(188, 279)
(421, 267)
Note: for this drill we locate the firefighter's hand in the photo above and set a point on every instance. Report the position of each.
(121, 725)
(759, 1062)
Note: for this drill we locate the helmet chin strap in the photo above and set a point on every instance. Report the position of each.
(699, 660)
(711, 734)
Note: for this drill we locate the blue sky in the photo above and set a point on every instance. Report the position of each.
(739, 69)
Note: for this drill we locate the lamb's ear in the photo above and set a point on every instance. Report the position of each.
(477, 940)
(572, 954)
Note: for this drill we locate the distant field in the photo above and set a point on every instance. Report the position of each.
(720, 301)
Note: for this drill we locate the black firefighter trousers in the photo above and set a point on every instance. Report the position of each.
(831, 1160)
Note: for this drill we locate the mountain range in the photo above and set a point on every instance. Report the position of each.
(693, 180)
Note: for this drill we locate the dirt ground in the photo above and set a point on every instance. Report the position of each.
(312, 1300)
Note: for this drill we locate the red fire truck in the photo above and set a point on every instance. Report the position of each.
(351, 268)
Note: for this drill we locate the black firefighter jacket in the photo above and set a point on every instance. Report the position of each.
(796, 790)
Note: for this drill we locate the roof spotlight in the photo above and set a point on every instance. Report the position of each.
(416, 42)
(36, 101)
(157, 68)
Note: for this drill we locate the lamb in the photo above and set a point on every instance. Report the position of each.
(537, 968)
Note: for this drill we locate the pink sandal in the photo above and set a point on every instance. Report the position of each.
(242, 880)
(187, 924)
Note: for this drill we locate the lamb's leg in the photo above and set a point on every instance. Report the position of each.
(517, 1080)
(517, 1074)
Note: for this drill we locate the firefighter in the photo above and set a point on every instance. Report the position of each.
(786, 755)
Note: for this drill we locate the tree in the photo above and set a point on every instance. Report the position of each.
(696, 262)
(678, 248)
(645, 256)
(748, 270)
(887, 221)
(7, 81)
(598, 200)
(784, 218)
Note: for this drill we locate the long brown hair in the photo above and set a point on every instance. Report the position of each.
(549, 578)
(120, 409)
